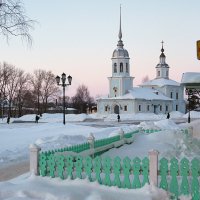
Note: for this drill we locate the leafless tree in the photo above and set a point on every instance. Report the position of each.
(49, 88)
(36, 82)
(82, 99)
(145, 79)
(6, 71)
(23, 86)
(11, 87)
(14, 21)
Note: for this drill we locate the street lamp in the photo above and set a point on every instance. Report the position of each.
(63, 84)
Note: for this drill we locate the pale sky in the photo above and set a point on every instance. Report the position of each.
(78, 37)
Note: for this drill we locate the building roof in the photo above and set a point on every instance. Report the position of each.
(190, 77)
(120, 52)
(143, 94)
(160, 82)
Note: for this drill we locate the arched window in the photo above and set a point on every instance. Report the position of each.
(167, 73)
(121, 67)
(126, 67)
(115, 67)
(158, 73)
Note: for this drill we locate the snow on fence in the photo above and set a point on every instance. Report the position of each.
(104, 170)
(171, 175)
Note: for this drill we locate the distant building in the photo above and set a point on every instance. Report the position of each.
(160, 95)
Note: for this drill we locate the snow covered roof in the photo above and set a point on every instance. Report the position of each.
(160, 82)
(142, 93)
(190, 78)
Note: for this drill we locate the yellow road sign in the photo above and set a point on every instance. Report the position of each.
(198, 49)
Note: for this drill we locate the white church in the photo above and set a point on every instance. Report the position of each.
(160, 95)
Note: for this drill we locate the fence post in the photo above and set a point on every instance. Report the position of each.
(121, 133)
(153, 166)
(34, 158)
(91, 140)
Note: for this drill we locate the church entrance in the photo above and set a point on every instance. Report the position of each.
(155, 109)
(116, 109)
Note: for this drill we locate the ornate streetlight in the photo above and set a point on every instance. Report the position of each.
(63, 84)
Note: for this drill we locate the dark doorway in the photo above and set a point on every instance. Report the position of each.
(155, 109)
(116, 109)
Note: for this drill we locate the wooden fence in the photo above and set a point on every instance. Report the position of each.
(177, 177)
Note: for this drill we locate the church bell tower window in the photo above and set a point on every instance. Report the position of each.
(121, 67)
(115, 67)
(126, 67)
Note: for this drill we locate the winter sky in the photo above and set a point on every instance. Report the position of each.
(78, 37)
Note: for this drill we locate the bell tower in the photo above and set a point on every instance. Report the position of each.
(162, 68)
(121, 81)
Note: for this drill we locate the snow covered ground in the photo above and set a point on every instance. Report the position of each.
(50, 133)
(29, 187)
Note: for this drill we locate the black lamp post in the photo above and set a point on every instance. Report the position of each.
(63, 84)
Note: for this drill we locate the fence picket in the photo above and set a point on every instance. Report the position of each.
(61, 165)
(106, 162)
(164, 173)
(117, 171)
(97, 169)
(173, 188)
(195, 183)
(145, 171)
(184, 171)
(126, 166)
(136, 172)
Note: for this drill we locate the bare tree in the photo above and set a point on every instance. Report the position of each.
(21, 90)
(145, 79)
(14, 21)
(36, 82)
(49, 88)
(11, 87)
(82, 99)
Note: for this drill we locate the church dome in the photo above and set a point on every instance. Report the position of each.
(120, 52)
(162, 65)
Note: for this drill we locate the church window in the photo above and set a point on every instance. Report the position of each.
(121, 67)
(148, 107)
(177, 95)
(158, 73)
(171, 95)
(160, 108)
(106, 108)
(167, 73)
(126, 67)
(166, 108)
(176, 107)
(139, 107)
(125, 108)
(115, 67)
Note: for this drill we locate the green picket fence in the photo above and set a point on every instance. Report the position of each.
(180, 178)
(75, 148)
(97, 143)
(124, 173)
(129, 135)
(106, 141)
(86, 146)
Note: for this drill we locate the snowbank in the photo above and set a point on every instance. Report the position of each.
(176, 114)
(136, 117)
(148, 125)
(55, 189)
(55, 117)
(193, 114)
(166, 124)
